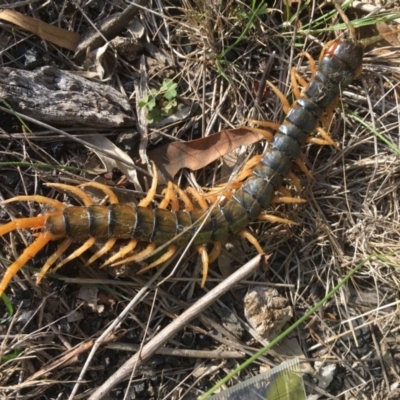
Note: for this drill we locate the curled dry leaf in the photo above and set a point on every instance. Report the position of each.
(198, 153)
(111, 163)
(94, 60)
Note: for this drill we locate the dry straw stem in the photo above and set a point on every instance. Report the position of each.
(60, 37)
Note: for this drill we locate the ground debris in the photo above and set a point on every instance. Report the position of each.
(266, 311)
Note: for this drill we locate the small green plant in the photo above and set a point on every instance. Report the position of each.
(160, 103)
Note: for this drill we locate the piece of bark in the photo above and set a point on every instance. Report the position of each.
(62, 98)
(109, 28)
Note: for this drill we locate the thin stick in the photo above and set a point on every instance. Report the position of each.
(116, 323)
(159, 340)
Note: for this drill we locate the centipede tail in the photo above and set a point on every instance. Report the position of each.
(340, 64)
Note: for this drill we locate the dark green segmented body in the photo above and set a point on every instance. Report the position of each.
(339, 66)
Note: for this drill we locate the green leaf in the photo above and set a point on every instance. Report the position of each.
(170, 94)
(167, 106)
(11, 356)
(166, 85)
(149, 118)
(9, 306)
(151, 104)
(143, 102)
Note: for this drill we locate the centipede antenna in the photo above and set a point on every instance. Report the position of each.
(40, 199)
(87, 201)
(113, 199)
(374, 39)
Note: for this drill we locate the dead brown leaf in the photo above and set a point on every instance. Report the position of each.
(392, 36)
(58, 36)
(196, 154)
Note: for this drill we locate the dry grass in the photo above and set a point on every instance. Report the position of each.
(217, 53)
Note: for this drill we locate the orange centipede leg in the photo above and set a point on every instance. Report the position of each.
(295, 77)
(249, 237)
(27, 255)
(53, 258)
(130, 246)
(198, 197)
(248, 168)
(282, 97)
(253, 162)
(184, 197)
(215, 252)
(23, 223)
(226, 189)
(295, 181)
(152, 191)
(295, 83)
(327, 116)
(172, 249)
(311, 61)
(285, 191)
(266, 124)
(300, 163)
(108, 245)
(169, 197)
(287, 200)
(138, 256)
(205, 262)
(276, 220)
(81, 249)
(325, 135)
(267, 135)
(319, 141)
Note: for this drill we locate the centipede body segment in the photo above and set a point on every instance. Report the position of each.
(341, 63)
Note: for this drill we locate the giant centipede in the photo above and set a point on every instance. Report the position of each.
(340, 63)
